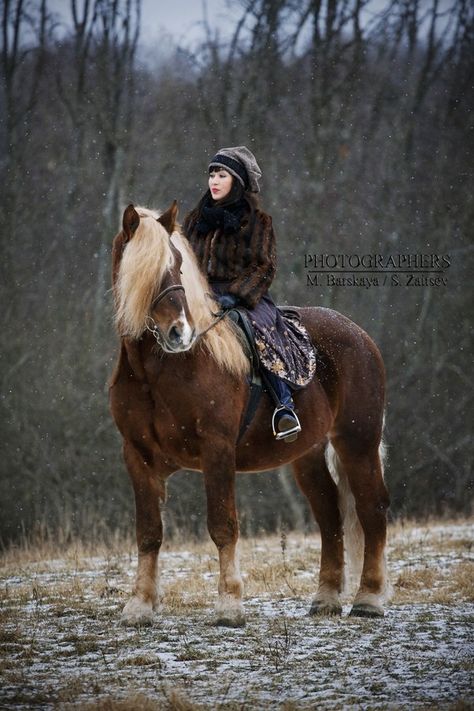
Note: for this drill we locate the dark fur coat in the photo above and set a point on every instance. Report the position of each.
(246, 258)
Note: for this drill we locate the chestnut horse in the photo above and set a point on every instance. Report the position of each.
(179, 395)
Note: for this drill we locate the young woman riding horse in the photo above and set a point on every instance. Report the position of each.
(234, 243)
(180, 393)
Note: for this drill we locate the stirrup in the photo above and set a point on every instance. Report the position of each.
(286, 433)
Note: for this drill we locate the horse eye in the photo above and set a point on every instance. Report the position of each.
(180, 271)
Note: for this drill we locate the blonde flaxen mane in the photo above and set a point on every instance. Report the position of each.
(145, 260)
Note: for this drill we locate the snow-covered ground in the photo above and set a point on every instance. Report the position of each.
(62, 645)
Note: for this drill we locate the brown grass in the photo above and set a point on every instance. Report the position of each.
(269, 569)
(436, 585)
(462, 580)
(413, 579)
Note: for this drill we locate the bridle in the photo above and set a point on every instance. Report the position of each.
(165, 292)
(155, 329)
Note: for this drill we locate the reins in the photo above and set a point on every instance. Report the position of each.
(219, 317)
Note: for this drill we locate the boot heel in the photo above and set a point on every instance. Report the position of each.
(286, 426)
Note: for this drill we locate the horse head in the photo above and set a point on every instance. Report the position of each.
(147, 280)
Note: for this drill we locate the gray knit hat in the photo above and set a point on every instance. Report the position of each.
(241, 163)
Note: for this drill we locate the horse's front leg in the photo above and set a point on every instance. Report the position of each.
(219, 473)
(148, 486)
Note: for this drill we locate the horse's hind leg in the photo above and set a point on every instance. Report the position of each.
(315, 481)
(363, 469)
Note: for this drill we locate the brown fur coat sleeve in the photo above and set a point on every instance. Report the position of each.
(258, 270)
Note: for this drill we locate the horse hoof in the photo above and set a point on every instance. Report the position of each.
(137, 613)
(321, 609)
(136, 621)
(229, 612)
(366, 610)
(231, 620)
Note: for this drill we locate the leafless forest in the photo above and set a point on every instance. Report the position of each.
(360, 114)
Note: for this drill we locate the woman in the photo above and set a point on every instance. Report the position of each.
(234, 242)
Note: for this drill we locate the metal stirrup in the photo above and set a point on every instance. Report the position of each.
(285, 433)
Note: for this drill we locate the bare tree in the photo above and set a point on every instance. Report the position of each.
(74, 87)
(21, 68)
(116, 35)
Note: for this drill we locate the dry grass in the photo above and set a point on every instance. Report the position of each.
(436, 567)
(272, 566)
(463, 580)
(47, 549)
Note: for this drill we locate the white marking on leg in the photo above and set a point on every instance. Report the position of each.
(137, 612)
(372, 600)
(139, 609)
(326, 601)
(229, 606)
(327, 595)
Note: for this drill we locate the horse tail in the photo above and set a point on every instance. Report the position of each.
(352, 529)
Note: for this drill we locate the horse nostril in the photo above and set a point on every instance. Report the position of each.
(174, 335)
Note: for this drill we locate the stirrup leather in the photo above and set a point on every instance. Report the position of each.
(285, 433)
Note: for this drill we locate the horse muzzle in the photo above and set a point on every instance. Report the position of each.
(179, 337)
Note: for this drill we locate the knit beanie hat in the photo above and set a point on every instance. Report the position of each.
(241, 163)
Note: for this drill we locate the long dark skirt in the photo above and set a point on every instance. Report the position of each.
(282, 341)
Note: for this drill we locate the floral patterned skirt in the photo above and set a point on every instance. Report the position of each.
(283, 343)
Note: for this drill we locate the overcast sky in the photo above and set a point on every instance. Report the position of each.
(183, 18)
(180, 22)
(180, 19)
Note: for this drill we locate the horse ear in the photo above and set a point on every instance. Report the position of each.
(130, 221)
(168, 218)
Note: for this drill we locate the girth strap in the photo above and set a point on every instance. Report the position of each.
(254, 399)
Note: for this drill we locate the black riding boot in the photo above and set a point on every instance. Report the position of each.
(285, 422)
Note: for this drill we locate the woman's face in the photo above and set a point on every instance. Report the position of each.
(220, 183)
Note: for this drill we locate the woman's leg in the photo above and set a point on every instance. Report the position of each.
(285, 421)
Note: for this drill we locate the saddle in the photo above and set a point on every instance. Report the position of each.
(258, 382)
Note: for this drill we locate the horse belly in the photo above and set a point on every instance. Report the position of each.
(259, 450)
(267, 453)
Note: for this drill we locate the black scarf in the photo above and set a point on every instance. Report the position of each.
(225, 217)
